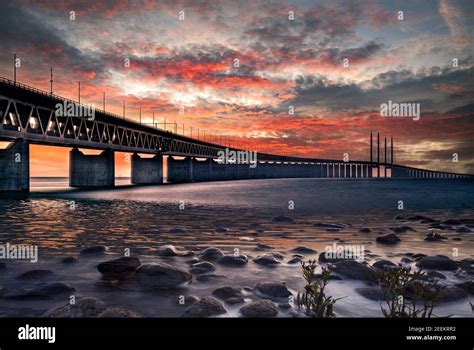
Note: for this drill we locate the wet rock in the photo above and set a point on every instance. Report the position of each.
(452, 293)
(167, 250)
(456, 239)
(467, 286)
(258, 309)
(451, 222)
(398, 217)
(272, 290)
(383, 265)
(283, 219)
(84, 307)
(206, 307)
(266, 260)
(261, 246)
(418, 218)
(94, 250)
(209, 277)
(406, 260)
(463, 230)
(233, 260)
(333, 229)
(192, 261)
(233, 301)
(119, 268)
(211, 254)
(221, 229)
(69, 260)
(295, 260)
(332, 257)
(403, 229)
(284, 306)
(35, 274)
(365, 230)
(436, 274)
(44, 291)
(354, 270)
(418, 256)
(434, 237)
(390, 238)
(437, 262)
(326, 225)
(162, 276)
(177, 231)
(118, 312)
(303, 250)
(227, 292)
(202, 268)
(372, 293)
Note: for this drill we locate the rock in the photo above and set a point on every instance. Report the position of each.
(206, 307)
(326, 225)
(221, 229)
(211, 254)
(303, 250)
(365, 230)
(167, 250)
(35, 274)
(262, 308)
(202, 268)
(437, 262)
(436, 274)
(295, 260)
(418, 218)
(233, 301)
(434, 237)
(398, 217)
(403, 229)
(467, 286)
(69, 260)
(456, 239)
(383, 265)
(372, 293)
(463, 230)
(44, 291)
(188, 300)
(273, 290)
(95, 250)
(451, 222)
(283, 219)
(390, 238)
(284, 306)
(118, 312)
(261, 246)
(354, 270)
(333, 229)
(329, 257)
(233, 260)
(192, 261)
(227, 292)
(266, 260)
(84, 307)
(119, 268)
(406, 260)
(418, 256)
(177, 231)
(209, 277)
(452, 293)
(162, 276)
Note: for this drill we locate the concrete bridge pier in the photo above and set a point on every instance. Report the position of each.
(217, 171)
(243, 171)
(147, 171)
(15, 170)
(91, 170)
(180, 170)
(262, 168)
(202, 170)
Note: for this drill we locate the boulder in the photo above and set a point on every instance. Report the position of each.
(202, 267)
(118, 312)
(283, 219)
(177, 231)
(258, 309)
(94, 250)
(390, 238)
(354, 270)
(272, 290)
(437, 262)
(266, 260)
(119, 268)
(35, 274)
(69, 260)
(303, 250)
(162, 276)
(167, 250)
(233, 260)
(84, 307)
(383, 265)
(211, 254)
(206, 307)
(227, 292)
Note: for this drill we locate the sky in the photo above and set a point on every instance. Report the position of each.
(304, 78)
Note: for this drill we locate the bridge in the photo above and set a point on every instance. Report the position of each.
(29, 116)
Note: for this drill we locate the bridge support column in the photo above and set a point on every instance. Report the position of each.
(243, 171)
(91, 170)
(202, 170)
(217, 171)
(15, 170)
(147, 171)
(262, 170)
(180, 171)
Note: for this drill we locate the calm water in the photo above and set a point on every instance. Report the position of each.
(139, 218)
